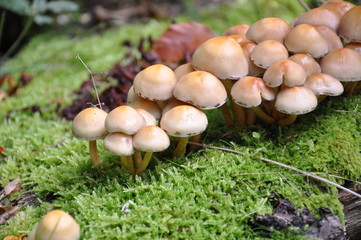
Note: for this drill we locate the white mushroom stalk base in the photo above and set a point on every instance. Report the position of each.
(127, 163)
(93, 151)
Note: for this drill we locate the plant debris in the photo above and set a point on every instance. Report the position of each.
(13, 87)
(286, 215)
(13, 186)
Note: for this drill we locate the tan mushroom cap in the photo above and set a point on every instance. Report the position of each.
(201, 89)
(338, 6)
(305, 38)
(132, 96)
(249, 91)
(156, 82)
(57, 225)
(308, 63)
(149, 118)
(296, 100)
(333, 40)
(151, 139)
(239, 29)
(268, 52)
(239, 38)
(89, 124)
(354, 46)
(343, 64)
(119, 143)
(284, 71)
(253, 69)
(350, 25)
(319, 16)
(124, 119)
(270, 28)
(324, 84)
(183, 69)
(184, 121)
(221, 56)
(149, 106)
(172, 103)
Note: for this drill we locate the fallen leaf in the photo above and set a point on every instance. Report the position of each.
(180, 40)
(2, 150)
(11, 212)
(13, 186)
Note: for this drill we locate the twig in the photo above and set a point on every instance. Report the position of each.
(311, 175)
(92, 78)
(304, 5)
(354, 111)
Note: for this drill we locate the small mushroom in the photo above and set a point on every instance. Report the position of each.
(350, 25)
(239, 29)
(323, 85)
(57, 225)
(319, 16)
(268, 52)
(89, 125)
(308, 63)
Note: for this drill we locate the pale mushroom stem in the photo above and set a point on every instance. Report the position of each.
(181, 147)
(94, 152)
(145, 162)
(262, 115)
(227, 116)
(251, 117)
(238, 111)
(197, 139)
(291, 118)
(127, 163)
(137, 160)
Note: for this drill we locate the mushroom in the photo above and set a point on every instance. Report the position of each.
(295, 101)
(239, 29)
(253, 69)
(183, 121)
(270, 28)
(319, 16)
(149, 139)
(338, 6)
(323, 85)
(183, 69)
(57, 225)
(308, 63)
(350, 25)
(354, 46)
(268, 52)
(122, 145)
(150, 106)
(89, 125)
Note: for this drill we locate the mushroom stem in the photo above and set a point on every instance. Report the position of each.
(264, 116)
(320, 98)
(94, 152)
(127, 163)
(197, 139)
(145, 162)
(291, 118)
(238, 111)
(227, 116)
(251, 117)
(181, 147)
(137, 161)
(350, 87)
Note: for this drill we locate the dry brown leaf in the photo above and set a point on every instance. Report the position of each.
(13, 186)
(2, 150)
(180, 40)
(9, 213)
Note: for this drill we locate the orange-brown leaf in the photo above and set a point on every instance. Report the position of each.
(180, 40)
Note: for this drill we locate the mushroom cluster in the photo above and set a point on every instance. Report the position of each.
(271, 70)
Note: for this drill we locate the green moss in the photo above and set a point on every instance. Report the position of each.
(207, 195)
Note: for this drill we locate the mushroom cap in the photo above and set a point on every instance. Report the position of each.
(354, 46)
(284, 71)
(338, 6)
(249, 91)
(305, 38)
(221, 56)
(268, 52)
(253, 69)
(306, 61)
(132, 96)
(296, 100)
(155, 82)
(271, 28)
(57, 225)
(319, 16)
(151, 139)
(183, 69)
(149, 118)
(201, 89)
(89, 124)
(324, 84)
(124, 119)
(333, 40)
(119, 143)
(184, 121)
(343, 64)
(239, 29)
(149, 106)
(172, 103)
(350, 25)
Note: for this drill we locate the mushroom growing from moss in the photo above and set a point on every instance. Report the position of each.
(89, 125)
(57, 225)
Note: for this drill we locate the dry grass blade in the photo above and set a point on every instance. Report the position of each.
(311, 175)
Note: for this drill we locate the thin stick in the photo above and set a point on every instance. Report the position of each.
(92, 78)
(304, 5)
(311, 175)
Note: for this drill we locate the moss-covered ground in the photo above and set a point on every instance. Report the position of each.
(209, 194)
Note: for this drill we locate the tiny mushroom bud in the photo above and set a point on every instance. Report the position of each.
(271, 28)
(89, 125)
(268, 52)
(183, 121)
(57, 225)
(150, 139)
